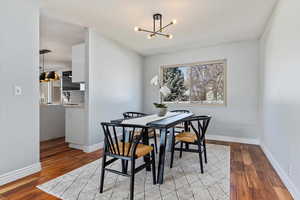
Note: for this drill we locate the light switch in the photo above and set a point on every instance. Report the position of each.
(82, 86)
(18, 90)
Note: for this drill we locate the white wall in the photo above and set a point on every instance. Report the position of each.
(19, 65)
(240, 117)
(114, 86)
(280, 48)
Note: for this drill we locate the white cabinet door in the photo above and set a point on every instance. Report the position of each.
(75, 126)
(78, 63)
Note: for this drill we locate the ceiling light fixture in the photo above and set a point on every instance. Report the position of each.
(43, 74)
(157, 29)
(47, 76)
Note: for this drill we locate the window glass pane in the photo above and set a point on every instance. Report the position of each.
(207, 83)
(177, 80)
(202, 83)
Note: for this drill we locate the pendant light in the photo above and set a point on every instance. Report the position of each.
(43, 77)
(43, 74)
(52, 76)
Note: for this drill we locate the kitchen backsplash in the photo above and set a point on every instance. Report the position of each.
(73, 97)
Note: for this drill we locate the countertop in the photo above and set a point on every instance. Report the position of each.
(73, 105)
(65, 105)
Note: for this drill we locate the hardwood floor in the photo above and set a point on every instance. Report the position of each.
(252, 176)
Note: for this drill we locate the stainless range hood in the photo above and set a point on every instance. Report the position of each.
(68, 85)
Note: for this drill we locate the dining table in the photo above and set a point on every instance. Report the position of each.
(166, 126)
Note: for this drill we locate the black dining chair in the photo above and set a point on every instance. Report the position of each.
(127, 148)
(180, 127)
(127, 115)
(195, 135)
(151, 132)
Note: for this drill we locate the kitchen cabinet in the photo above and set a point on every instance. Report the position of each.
(78, 63)
(75, 126)
(52, 121)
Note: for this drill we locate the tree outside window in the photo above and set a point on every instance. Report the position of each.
(196, 83)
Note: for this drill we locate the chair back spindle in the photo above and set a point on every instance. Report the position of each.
(201, 126)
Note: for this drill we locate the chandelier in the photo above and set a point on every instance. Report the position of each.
(158, 27)
(47, 76)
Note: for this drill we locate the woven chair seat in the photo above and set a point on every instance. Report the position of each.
(141, 149)
(186, 137)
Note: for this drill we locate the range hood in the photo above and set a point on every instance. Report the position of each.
(68, 85)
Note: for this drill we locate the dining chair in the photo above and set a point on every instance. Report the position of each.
(181, 111)
(127, 115)
(151, 132)
(194, 136)
(180, 127)
(127, 148)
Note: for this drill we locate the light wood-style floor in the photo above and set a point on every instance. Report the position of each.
(252, 176)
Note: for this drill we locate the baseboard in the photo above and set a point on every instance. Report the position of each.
(232, 139)
(20, 173)
(87, 149)
(100, 145)
(282, 174)
(93, 147)
(76, 146)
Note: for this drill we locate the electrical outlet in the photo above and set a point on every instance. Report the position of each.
(18, 90)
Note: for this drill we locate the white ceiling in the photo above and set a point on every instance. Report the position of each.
(59, 37)
(200, 22)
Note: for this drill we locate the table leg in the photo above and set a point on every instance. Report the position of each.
(172, 140)
(146, 142)
(162, 151)
(170, 136)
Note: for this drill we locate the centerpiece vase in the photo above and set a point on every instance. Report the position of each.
(162, 111)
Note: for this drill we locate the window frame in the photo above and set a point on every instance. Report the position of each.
(222, 61)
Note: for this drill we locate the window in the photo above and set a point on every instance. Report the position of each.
(203, 82)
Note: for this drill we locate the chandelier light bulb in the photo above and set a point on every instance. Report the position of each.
(170, 36)
(149, 37)
(136, 28)
(174, 21)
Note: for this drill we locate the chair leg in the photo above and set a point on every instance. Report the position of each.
(181, 146)
(132, 179)
(172, 152)
(155, 141)
(102, 173)
(187, 146)
(153, 166)
(200, 159)
(124, 166)
(204, 149)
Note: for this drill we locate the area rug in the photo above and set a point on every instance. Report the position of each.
(183, 181)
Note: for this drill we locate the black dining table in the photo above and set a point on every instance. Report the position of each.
(166, 126)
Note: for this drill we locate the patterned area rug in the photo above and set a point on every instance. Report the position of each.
(183, 181)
